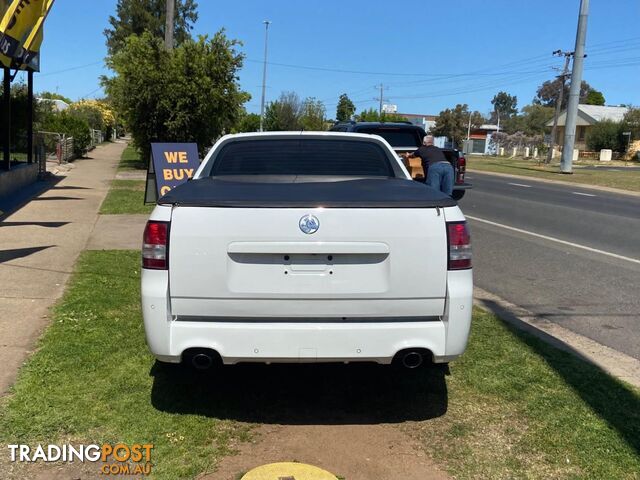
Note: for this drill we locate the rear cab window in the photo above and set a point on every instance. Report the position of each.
(312, 157)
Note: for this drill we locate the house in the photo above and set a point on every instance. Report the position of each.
(479, 141)
(588, 115)
(56, 105)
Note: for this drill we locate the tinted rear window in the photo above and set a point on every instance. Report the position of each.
(302, 157)
(396, 137)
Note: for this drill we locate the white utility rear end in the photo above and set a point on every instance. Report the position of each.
(252, 284)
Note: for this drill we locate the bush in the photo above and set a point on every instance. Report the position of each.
(606, 134)
(97, 114)
(71, 126)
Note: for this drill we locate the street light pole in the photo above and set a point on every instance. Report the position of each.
(264, 72)
(566, 165)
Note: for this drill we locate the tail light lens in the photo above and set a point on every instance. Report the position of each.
(462, 168)
(459, 242)
(155, 245)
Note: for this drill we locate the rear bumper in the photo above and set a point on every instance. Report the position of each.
(168, 338)
(462, 186)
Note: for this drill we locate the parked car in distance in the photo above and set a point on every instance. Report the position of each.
(406, 137)
(306, 247)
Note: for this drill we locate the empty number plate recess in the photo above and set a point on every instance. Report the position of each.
(308, 264)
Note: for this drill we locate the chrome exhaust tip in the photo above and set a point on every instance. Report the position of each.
(201, 361)
(412, 360)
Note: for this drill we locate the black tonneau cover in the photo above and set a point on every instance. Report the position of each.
(355, 193)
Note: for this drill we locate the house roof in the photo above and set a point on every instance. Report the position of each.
(58, 105)
(590, 114)
(418, 115)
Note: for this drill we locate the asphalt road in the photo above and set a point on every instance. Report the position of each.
(568, 254)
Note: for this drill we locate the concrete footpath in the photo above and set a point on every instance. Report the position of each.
(40, 243)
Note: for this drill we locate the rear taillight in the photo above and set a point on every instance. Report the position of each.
(155, 245)
(459, 242)
(462, 168)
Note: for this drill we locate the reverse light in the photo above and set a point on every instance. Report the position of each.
(155, 245)
(459, 242)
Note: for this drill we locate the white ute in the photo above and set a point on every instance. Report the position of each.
(305, 247)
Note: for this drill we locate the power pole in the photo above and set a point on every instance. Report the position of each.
(264, 73)
(566, 165)
(498, 131)
(380, 98)
(559, 98)
(169, 26)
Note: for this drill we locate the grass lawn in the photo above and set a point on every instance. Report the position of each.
(519, 408)
(627, 180)
(513, 407)
(131, 160)
(125, 196)
(91, 378)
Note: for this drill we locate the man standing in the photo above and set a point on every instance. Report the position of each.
(438, 170)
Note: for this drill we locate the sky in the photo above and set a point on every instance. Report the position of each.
(428, 55)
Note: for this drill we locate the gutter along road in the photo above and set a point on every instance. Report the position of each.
(568, 254)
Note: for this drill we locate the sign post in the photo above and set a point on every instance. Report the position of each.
(171, 164)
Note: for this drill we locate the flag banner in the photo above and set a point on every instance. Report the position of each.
(4, 6)
(16, 25)
(28, 57)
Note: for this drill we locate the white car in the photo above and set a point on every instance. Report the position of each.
(306, 247)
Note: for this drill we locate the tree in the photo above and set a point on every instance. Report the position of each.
(312, 115)
(594, 97)
(372, 115)
(606, 134)
(631, 122)
(532, 120)
(453, 123)
(506, 105)
(134, 17)
(97, 114)
(547, 93)
(345, 109)
(284, 114)
(190, 94)
(248, 122)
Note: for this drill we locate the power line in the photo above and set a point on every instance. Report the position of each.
(70, 69)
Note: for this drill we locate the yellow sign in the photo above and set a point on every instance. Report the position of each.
(21, 23)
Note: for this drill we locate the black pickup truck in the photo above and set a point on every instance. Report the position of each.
(406, 137)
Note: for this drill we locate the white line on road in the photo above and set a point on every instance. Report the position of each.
(519, 185)
(557, 240)
(585, 194)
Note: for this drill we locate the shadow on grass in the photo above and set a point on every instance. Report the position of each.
(610, 399)
(302, 394)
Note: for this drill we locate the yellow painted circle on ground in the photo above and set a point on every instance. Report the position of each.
(288, 471)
